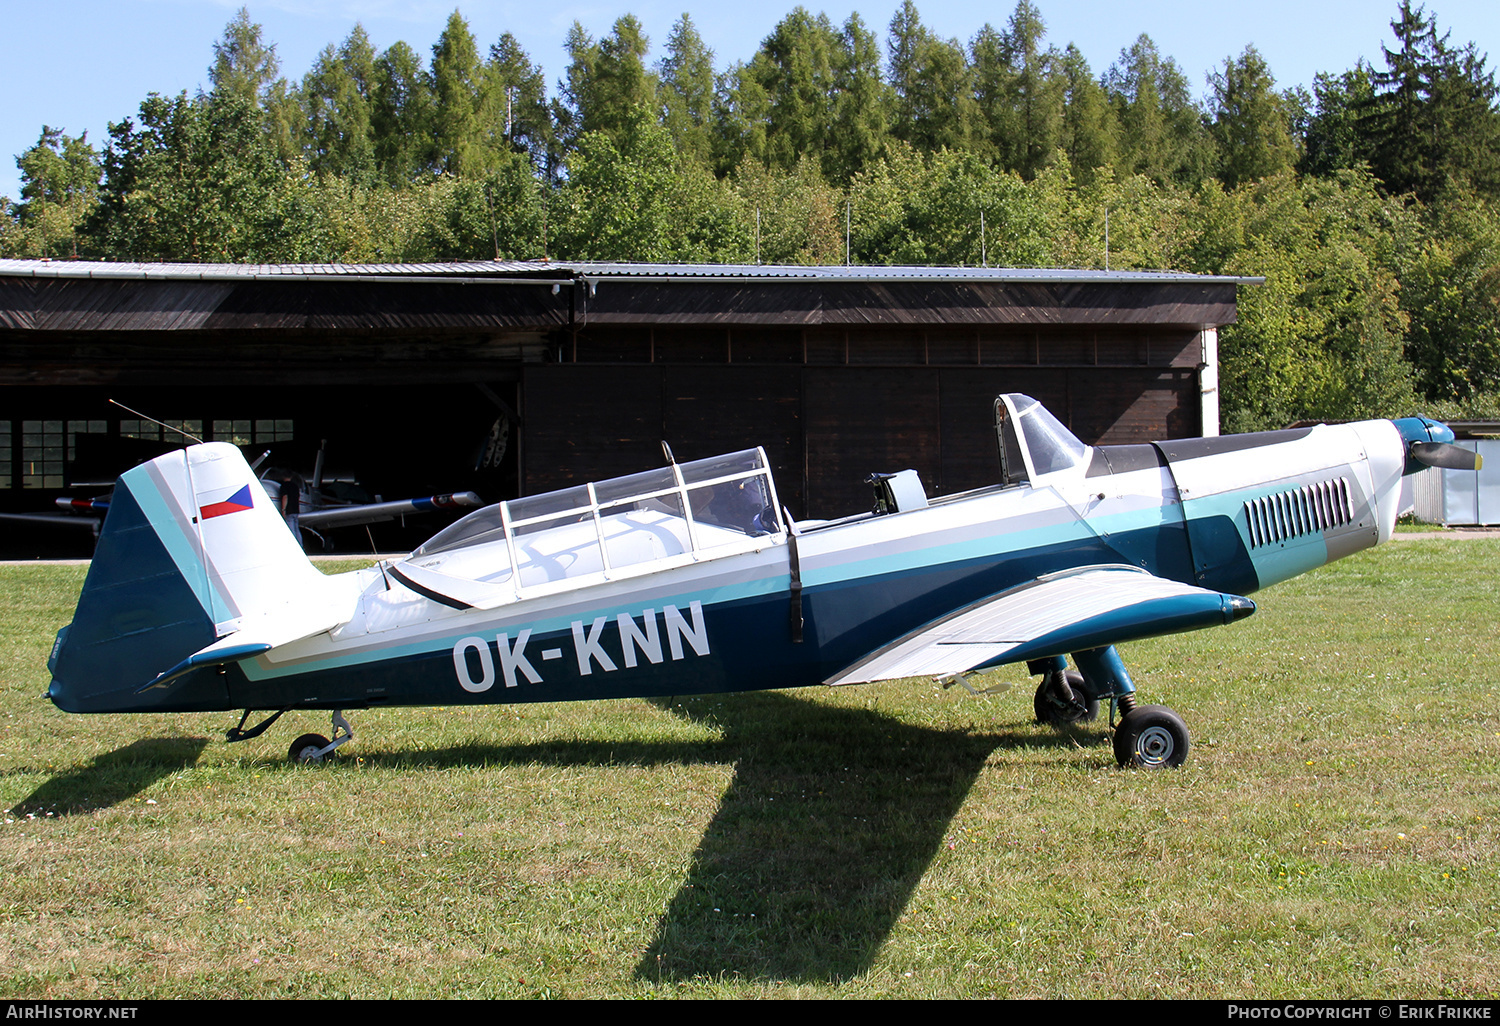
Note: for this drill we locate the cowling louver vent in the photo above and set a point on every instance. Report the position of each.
(1300, 511)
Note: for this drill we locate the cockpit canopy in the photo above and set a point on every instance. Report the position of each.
(621, 526)
(1032, 442)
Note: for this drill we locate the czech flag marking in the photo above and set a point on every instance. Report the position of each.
(237, 502)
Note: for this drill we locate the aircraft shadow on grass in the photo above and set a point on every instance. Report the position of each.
(827, 827)
(112, 778)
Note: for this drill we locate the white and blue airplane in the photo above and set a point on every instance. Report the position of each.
(690, 578)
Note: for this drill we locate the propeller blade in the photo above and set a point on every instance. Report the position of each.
(1445, 455)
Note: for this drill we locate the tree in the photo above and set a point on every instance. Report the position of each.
(860, 122)
(337, 97)
(1087, 131)
(1250, 123)
(795, 70)
(1450, 290)
(945, 208)
(1031, 92)
(638, 200)
(1333, 140)
(742, 118)
(244, 64)
(607, 80)
(198, 180)
(1431, 120)
(520, 99)
(1322, 338)
(796, 215)
(687, 91)
(461, 138)
(59, 191)
(1161, 133)
(934, 106)
(401, 116)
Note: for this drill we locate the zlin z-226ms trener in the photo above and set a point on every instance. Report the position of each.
(690, 578)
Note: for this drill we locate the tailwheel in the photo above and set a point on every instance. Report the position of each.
(1060, 705)
(308, 749)
(1151, 737)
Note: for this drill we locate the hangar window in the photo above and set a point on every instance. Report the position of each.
(252, 432)
(5, 464)
(42, 448)
(83, 427)
(156, 433)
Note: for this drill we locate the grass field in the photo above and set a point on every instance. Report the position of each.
(1334, 833)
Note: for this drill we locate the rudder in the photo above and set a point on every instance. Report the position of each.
(192, 551)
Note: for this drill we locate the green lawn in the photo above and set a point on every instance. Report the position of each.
(1333, 834)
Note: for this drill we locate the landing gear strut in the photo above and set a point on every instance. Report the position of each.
(1062, 698)
(1147, 736)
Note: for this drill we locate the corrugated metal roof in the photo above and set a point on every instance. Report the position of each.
(1041, 275)
(499, 271)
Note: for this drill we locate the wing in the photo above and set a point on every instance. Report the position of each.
(376, 512)
(53, 520)
(1069, 611)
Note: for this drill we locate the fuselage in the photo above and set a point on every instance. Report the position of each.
(1232, 514)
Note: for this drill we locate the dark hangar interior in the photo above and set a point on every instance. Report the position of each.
(514, 378)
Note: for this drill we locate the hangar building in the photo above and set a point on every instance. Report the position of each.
(514, 378)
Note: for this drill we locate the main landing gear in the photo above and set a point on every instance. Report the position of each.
(1147, 736)
(309, 748)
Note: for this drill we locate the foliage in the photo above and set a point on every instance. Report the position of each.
(1005, 151)
(60, 188)
(1451, 292)
(1322, 337)
(197, 179)
(798, 217)
(1432, 120)
(1250, 122)
(639, 200)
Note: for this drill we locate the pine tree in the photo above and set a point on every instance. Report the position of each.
(1250, 125)
(795, 68)
(1087, 132)
(1432, 122)
(1161, 129)
(687, 91)
(460, 132)
(337, 96)
(1031, 92)
(519, 102)
(401, 116)
(860, 122)
(932, 86)
(621, 81)
(244, 64)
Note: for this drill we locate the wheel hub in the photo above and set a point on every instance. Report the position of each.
(1155, 745)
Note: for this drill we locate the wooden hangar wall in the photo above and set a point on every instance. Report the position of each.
(408, 376)
(830, 408)
(878, 376)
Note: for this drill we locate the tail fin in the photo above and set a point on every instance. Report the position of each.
(192, 552)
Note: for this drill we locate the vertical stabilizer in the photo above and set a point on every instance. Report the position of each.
(192, 551)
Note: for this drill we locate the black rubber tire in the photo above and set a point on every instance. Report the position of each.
(1084, 709)
(306, 744)
(1151, 737)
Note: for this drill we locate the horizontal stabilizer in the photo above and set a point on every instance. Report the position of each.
(1069, 611)
(253, 639)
